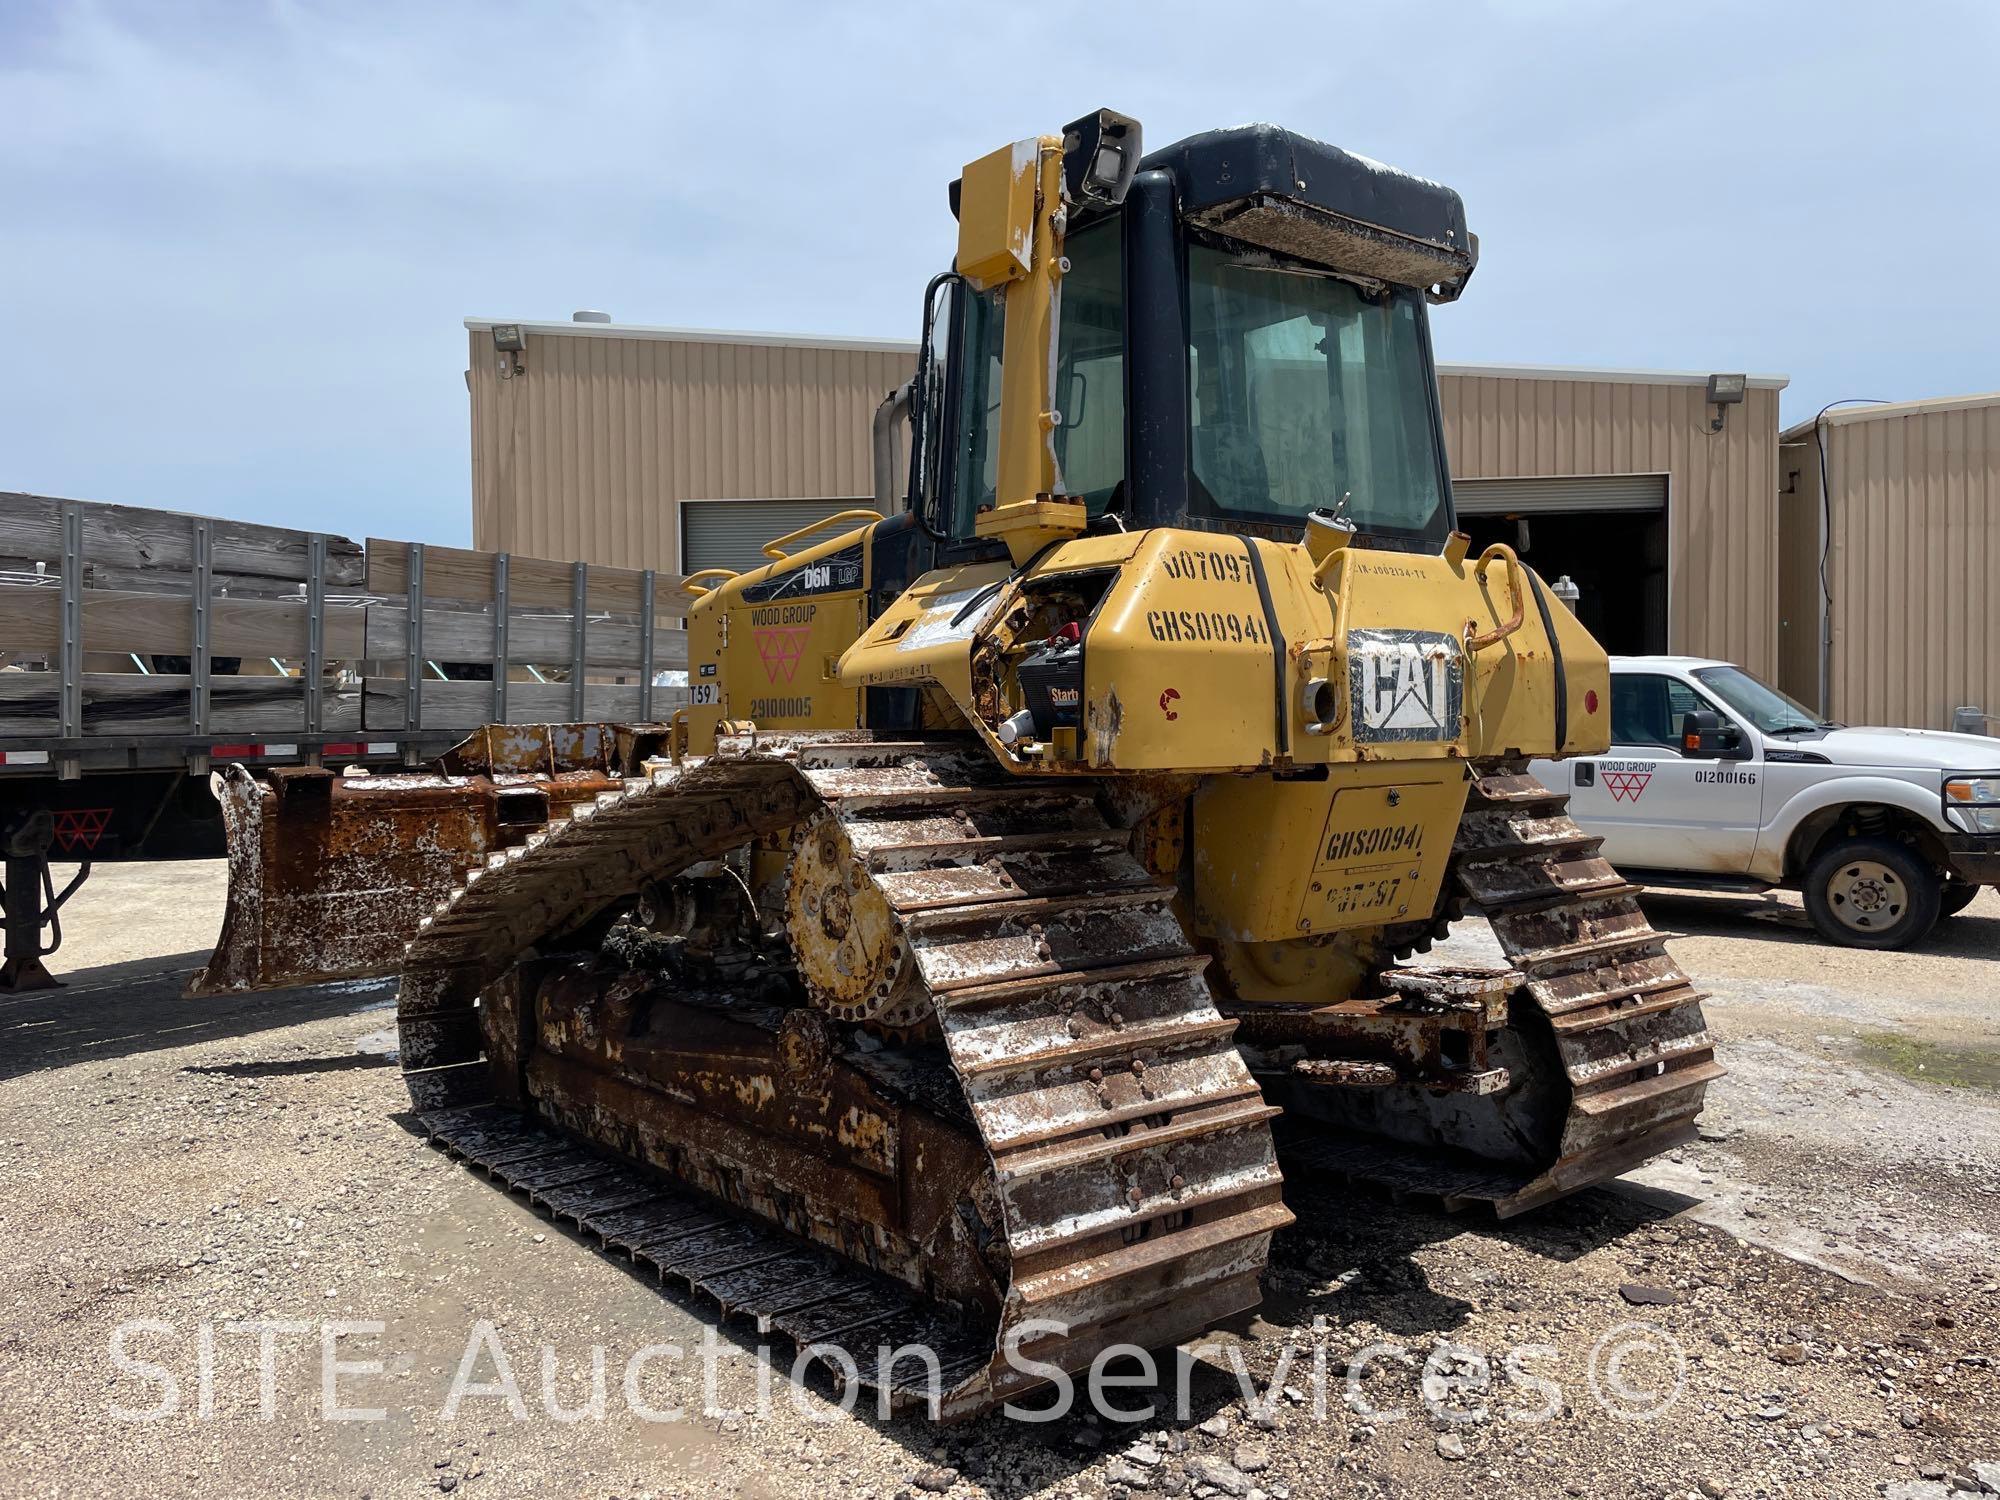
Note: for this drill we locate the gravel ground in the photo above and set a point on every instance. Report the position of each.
(1805, 1303)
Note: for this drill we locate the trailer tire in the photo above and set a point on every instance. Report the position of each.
(1872, 893)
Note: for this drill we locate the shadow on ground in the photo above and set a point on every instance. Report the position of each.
(1970, 934)
(117, 1010)
(1351, 1259)
(294, 1066)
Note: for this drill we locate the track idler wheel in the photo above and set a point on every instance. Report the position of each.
(851, 952)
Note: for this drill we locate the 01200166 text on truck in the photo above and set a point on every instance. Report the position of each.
(941, 971)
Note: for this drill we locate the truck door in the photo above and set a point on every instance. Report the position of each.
(1657, 807)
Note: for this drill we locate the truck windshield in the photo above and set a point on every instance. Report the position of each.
(1763, 705)
(1309, 393)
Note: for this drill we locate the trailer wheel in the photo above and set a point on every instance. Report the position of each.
(1872, 893)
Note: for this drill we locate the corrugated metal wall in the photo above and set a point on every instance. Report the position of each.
(1721, 487)
(588, 452)
(1915, 547)
(734, 533)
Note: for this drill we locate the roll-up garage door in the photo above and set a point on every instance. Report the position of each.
(732, 533)
(1569, 492)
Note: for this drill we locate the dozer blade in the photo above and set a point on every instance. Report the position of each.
(329, 874)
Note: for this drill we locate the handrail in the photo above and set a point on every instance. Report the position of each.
(694, 588)
(1485, 638)
(776, 550)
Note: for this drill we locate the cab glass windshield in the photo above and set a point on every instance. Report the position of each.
(1089, 381)
(1310, 393)
(1763, 705)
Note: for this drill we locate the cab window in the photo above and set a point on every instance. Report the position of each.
(1090, 366)
(975, 466)
(1089, 381)
(1307, 392)
(1647, 709)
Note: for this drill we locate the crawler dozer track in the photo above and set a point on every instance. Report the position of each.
(1053, 1024)
(1606, 1028)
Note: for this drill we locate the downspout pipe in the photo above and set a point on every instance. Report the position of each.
(1825, 509)
(894, 405)
(1820, 425)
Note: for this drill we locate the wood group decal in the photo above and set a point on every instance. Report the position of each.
(779, 648)
(1628, 782)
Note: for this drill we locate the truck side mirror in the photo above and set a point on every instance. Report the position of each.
(1703, 732)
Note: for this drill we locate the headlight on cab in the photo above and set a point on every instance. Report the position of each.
(1973, 803)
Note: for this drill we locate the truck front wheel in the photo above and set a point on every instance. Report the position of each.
(1872, 893)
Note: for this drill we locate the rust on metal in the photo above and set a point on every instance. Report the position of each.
(1345, 1072)
(330, 874)
(1086, 1147)
(1597, 1018)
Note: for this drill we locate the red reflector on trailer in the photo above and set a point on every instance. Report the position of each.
(239, 752)
(344, 747)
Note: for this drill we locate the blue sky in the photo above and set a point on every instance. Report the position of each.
(238, 239)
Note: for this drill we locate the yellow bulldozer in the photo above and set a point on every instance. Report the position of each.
(1032, 873)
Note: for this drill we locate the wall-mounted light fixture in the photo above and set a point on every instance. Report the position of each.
(1724, 391)
(509, 343)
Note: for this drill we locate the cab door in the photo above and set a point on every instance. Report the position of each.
(1656, 806)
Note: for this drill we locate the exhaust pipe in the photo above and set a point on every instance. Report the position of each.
(895, 404)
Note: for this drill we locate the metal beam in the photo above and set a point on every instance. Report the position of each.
(413, 648)
(647, 586)
(578, 659)
(70, 660)
(315, 683)
(200, 683)
(499, 638)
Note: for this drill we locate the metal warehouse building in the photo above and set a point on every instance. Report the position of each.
(1890, 540)
(681, 449)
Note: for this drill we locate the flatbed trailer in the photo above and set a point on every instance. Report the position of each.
(140, 649)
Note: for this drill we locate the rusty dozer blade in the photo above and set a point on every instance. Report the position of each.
(1056, 1150)
(329, 874)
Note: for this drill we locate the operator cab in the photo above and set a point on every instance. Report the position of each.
(1241, 342)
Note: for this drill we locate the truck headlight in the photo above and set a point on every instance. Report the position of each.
(1973, 803)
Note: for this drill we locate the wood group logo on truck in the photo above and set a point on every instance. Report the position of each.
(1626, 779)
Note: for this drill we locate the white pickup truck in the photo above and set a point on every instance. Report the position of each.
(1717, 781)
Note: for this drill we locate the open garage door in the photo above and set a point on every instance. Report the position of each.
(1606, 533)
(1609, 493)
(732, 533)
